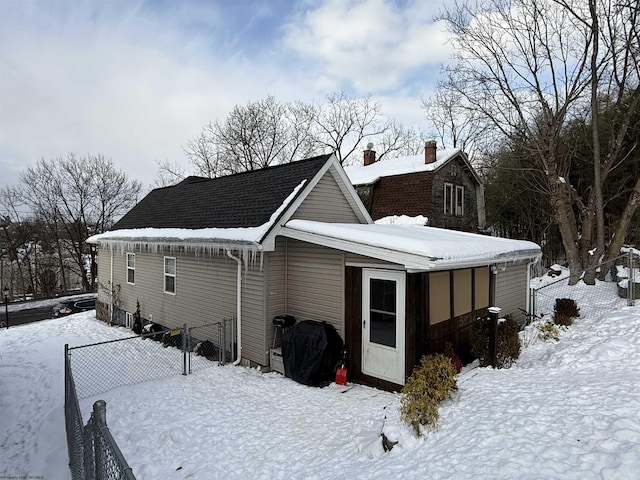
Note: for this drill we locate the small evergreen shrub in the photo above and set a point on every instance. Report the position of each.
(430, 382)
(137, 320)
(564, 311)
(508, 344)
(548, 331)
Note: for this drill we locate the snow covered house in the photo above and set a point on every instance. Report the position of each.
(295, 239)
(440, 185)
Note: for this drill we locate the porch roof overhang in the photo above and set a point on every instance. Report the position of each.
(416, 248)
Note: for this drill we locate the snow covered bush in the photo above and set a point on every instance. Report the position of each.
(507, 342)
(564, 311)
(548, 331)
(430, 382)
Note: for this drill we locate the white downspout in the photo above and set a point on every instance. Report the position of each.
(238, 306)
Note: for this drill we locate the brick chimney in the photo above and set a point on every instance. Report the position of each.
(430, 152)
(369, 155)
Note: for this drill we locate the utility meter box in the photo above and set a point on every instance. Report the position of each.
(275, 360)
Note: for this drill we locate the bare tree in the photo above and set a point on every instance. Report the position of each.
(76, 197)
(343, 124)
(526, 67)
(254, 136)
(453, 122)
(168, 174)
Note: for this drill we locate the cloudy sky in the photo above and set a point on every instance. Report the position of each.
(134, 80)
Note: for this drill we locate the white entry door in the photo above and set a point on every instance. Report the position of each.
(383, 307)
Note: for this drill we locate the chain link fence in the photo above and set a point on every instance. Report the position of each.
(211, 342)
(93, 453)
(103, 366)
(100, 367)
(620, 278)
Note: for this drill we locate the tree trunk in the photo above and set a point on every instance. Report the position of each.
(565, 219)
(625, 220)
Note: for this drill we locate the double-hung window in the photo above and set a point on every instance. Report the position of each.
(453, 199)
(448, 199)
(131, 268)
(170, 275)
(459, 200)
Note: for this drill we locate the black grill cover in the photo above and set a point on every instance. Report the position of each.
(311, 352)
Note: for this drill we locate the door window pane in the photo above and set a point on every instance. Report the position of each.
(382, 314)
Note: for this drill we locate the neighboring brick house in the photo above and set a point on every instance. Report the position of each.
(440, 185)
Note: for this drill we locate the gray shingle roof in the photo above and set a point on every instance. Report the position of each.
(245, 199)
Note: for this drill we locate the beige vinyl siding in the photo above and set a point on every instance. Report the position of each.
(511, 289)
(104, 275)
(205, 293)
(315, 283)
(275, 265)
(326, 203)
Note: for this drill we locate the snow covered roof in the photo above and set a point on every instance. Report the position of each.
(246, 199)
(363, 175)
(413, 246)
(245, 240)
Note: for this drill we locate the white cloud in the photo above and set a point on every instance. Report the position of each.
(135, 81)
(373, 44)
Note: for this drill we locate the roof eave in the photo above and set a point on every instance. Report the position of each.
(412, 262)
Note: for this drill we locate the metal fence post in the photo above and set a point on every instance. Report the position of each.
(184, 349)
(493, 335)
(99, 422)
(631, 286)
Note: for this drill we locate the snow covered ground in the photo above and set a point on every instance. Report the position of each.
(566, 410)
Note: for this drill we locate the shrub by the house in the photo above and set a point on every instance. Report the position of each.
(564, 311)
(548, 331)
(431, 382)
(507, 342)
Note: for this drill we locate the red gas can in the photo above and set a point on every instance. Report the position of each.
(341, 376)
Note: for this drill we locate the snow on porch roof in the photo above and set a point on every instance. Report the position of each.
(416, 247)
(362, 175)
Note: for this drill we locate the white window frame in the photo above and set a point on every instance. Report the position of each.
(448, 198)
(128, 320)
(459, 201)
(131, 269)
(170, 275)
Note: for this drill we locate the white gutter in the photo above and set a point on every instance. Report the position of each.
(238, 307)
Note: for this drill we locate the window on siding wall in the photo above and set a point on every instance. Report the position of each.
(461, 292)
(459, 200)
(439, 297)
(448, 199)
(131, 268)
(481, 280)
(170, 274)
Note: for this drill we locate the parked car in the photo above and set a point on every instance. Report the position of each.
(74, 305)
